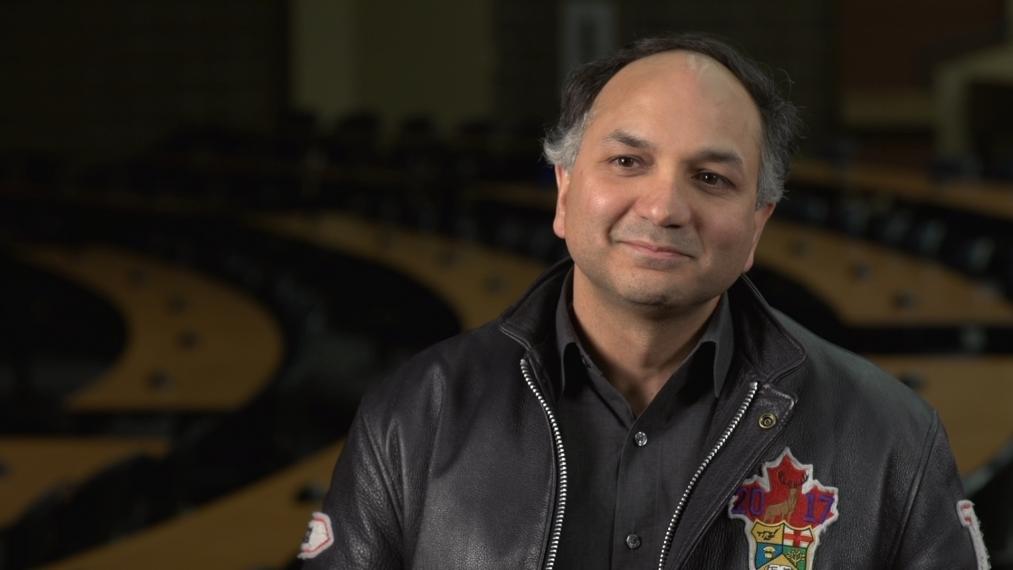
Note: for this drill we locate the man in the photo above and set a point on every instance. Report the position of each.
(642, 406)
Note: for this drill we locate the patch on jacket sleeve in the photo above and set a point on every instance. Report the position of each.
(319, 536)
(785, 511)
(965, 511)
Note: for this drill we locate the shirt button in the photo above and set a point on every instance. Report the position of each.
(640, 438)
(632, 541)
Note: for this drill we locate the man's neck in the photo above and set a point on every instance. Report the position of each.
(637, 350)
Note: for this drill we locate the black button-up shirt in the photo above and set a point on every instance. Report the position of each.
(627, 473)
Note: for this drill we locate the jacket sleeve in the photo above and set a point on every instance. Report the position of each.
(941, 530)
(361, 508)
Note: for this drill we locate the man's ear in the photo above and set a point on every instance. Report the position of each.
(562, 185)
(760, 217)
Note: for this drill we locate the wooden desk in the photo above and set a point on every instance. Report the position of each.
(974, 396)
(193, 343)
(991, 199)
(260, 526)
(34, 466)
(826, 263)
(477, 282)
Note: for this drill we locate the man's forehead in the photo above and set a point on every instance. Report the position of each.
(673, 83)
(692, 60)
(673, 68)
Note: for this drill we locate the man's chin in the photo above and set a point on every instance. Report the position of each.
(651, 300)
(663, 301)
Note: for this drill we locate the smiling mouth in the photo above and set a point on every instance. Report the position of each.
(655, 250)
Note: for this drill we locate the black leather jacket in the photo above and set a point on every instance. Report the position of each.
(457, 462)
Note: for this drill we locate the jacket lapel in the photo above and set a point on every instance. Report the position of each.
(769, 356)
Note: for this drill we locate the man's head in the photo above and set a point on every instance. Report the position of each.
(781, 123)
(659, 161)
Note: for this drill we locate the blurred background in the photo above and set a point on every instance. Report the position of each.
(221, 221)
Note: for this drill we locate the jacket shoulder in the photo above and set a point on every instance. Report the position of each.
(458, 363)
(846, 381)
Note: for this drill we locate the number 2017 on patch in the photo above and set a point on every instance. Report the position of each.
(752, 502)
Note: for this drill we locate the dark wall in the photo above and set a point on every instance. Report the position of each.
(526, 80)
(895, 45)
(796, 36)
(106, 78)
(103, 78)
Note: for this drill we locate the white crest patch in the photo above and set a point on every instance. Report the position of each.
(319, 535)
(965, 512)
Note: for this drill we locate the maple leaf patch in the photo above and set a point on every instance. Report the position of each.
(785, 510)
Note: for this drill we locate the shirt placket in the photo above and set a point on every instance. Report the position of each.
(634, 534)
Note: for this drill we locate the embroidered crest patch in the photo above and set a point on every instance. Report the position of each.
(968, 518)
(319, 536)
(785, 510)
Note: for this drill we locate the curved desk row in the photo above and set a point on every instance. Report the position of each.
(478, 283)
(31, 467)
(193, 343)
(871, 285)
(994, 200)
(974, 398)
(260, 526)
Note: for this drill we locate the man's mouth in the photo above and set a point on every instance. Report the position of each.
(654, 249)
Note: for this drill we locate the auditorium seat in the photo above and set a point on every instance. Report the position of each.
(355, 138)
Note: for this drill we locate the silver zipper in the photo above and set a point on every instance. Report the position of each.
(670, 533)
(557, 439)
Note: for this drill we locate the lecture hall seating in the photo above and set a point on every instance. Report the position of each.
(477, 282)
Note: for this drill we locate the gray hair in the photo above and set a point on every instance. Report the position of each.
(779, 117)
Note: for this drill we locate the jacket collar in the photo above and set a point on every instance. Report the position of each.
(716, 344)
(762, 345)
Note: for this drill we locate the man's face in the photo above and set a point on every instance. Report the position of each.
(659, 208)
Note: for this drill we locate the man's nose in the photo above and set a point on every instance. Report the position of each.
(663, 201)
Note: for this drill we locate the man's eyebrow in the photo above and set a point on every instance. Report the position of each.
(728, 157)
(630, 140)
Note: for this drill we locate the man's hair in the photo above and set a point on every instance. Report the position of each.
(780, 118)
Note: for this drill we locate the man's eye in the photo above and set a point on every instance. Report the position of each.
(625, 161)
(711, 179)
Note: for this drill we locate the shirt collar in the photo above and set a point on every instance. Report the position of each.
(718, 333)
